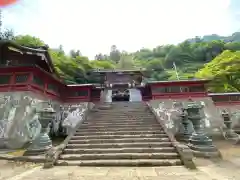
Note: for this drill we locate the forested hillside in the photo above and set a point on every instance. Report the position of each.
(212, 57)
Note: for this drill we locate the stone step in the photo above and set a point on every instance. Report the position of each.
(119, 156)
(121, 117)
(120, 145)
(129, 104)
(123, 121)
(119, 123)
(118, 129)
(121, 114)
(112, 136)
(134, 109)
(124, 110)
(133, 106)
(122, 162)
(87, 133)
(119, 150)
(118, 118)
(124, 127)
(124, 140)
(124, 135)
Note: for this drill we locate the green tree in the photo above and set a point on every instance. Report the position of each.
(115, 54)
(27, 40)
(74, 53)
(101, 64)
(207, 56)
(126, 61)
(224, 72)
(7, 34)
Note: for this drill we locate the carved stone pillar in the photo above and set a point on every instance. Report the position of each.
(42, 143)
(199, 142)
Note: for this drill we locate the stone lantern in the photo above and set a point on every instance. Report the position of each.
(199, 142)
(187, 131)
(229, 134)
(42, 143)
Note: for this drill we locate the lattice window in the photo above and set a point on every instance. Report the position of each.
(184, 89)
(79, 93)
(196, 89)
(174, 89)
(53, 88)
(95, 93)
(220, 98)
(234, 98)
(38, 81)
(5, 79)
(21, 78)
(159, 90)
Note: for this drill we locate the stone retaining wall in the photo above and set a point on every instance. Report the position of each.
(19, 118)
(213, 121)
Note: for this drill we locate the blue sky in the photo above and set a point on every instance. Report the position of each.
(92, 26)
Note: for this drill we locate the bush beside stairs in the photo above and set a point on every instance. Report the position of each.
(120, 134)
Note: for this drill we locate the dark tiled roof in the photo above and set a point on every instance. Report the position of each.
(33, 50)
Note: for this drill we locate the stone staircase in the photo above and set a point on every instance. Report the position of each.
(127, 134)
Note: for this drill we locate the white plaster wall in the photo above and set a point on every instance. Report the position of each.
(106, 95)
(135, 95)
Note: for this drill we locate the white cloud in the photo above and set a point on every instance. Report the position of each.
(94, 25)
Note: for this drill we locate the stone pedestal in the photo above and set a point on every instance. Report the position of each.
(199, 142)
(42, 143)
(2, 143)
(229, 133)
(186, 132)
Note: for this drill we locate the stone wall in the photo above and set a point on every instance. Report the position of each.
(19, 118)
(212, 121)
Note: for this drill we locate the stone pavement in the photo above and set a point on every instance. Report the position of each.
(226, 169)
(207, 170)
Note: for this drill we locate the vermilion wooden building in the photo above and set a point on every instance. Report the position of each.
(31, 69)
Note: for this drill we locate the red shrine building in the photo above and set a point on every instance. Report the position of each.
(31, 69)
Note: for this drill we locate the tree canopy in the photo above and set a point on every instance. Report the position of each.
(210, 57)
(225, 70)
